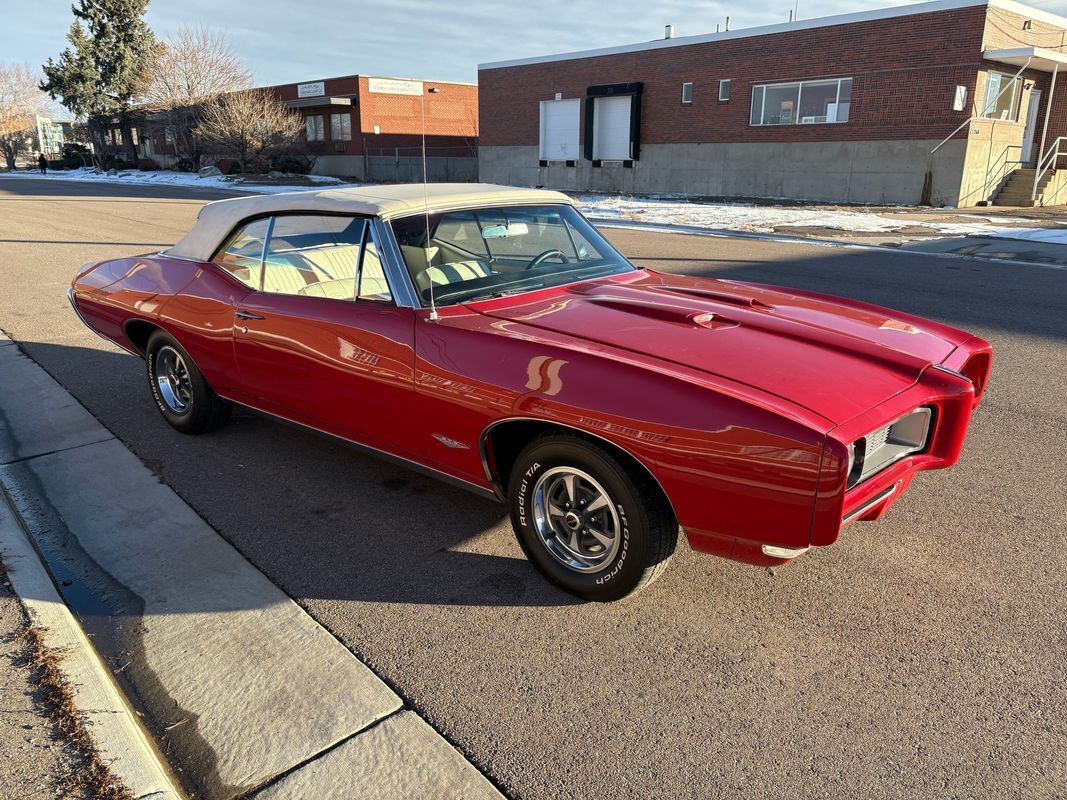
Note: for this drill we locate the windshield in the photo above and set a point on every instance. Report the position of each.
(475, 254)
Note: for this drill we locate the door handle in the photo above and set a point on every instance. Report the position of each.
(247, 315)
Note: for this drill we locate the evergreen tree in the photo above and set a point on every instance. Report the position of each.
(102, 71)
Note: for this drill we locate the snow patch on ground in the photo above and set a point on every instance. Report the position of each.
(1047, 235)
(667, 211)
(189, 179)
(760, 218)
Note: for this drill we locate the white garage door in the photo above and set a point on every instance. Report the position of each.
(611, 128)
(559, 130)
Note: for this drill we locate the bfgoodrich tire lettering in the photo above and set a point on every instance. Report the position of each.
(591, 523)
(179, 390)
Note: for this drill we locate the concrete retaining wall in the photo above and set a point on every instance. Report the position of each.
(836, 172)
(398, 169)
(408, 169)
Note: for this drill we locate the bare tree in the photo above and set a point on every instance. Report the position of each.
(192, 67)
(21, 100)
(248, 126)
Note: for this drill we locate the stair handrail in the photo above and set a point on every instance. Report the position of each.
(1051, 156)
(928, 180)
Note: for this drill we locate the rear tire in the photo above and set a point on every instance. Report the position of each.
(179, 390)
(594, 525)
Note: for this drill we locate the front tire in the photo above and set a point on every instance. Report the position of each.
(593, 524)
(179, 390)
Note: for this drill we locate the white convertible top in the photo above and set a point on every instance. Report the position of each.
(217, 219)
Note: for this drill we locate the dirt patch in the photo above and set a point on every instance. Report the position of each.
(91, 776)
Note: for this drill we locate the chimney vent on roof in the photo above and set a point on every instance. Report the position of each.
(668, 31)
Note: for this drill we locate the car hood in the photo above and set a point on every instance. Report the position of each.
(835, 357)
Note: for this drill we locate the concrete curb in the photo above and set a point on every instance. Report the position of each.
(243, 691)
(120, 740)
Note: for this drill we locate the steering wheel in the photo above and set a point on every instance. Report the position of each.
(539, 260)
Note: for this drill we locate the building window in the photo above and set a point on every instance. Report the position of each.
(1001, 97)
(134, 137)
(315, 130)
(724, 90)
(802, 102)
(341, 127)
(559, 130)
(687, 92)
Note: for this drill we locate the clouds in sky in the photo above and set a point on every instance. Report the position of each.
(286, 41)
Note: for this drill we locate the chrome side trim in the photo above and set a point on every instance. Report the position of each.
(943, 368)
(484, 437)
(396, 272)
(367, 449)
(878, 498)
(70, 297)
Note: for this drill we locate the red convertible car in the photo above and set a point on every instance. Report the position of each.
(493, 337)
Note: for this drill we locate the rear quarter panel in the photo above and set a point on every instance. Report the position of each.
(192, 301)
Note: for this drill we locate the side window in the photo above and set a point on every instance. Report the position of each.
(242, 254)
(323, 256)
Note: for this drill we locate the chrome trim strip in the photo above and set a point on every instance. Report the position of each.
(484, 437)
(474, 207)
(396, 272)
(367, 449)
(943, 368)
(878, 498)
(70, 297)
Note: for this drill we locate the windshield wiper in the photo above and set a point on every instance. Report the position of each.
(502, 293)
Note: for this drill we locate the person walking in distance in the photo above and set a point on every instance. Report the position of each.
(42, 162)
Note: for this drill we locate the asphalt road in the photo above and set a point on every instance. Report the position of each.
(921, 656)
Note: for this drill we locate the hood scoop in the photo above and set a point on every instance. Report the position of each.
(717, 296)
(664, 312)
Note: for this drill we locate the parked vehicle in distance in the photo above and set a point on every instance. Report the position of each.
(493, 337)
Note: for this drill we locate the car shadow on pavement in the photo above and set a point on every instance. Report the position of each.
(322, 520)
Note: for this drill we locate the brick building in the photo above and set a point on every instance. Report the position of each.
(954, 101)
(371, 127)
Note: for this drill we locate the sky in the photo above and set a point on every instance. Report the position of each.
(285, 41)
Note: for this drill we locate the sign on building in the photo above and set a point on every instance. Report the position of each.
(394, 86)
(315, 89)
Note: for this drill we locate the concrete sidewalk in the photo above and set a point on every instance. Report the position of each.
(244, 693)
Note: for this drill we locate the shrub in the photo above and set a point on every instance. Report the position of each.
(183, 165)
(147, 165)
(76, 154)
(294, 163)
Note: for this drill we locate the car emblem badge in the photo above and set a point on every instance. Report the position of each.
(447, 442)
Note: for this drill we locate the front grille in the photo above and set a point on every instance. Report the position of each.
(877, 439)
(890, 443)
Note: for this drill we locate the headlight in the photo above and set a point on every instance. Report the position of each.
(888, 444)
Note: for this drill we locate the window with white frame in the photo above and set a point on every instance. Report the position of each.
(341, 127)
(559, 130)
(315, 130)
(687, 92)
(724, 90)
(1001, 97)
(802, 102)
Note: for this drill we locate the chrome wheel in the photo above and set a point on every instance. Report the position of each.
(172, 379)
(575, 519)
